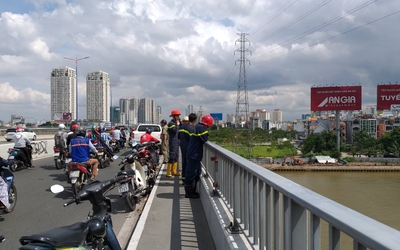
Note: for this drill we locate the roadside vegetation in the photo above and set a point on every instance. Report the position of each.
(265, 144)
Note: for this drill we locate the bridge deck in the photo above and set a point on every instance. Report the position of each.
(173, 222)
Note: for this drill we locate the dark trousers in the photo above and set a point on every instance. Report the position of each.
(173, 152)
(193, 170)
(184, 164)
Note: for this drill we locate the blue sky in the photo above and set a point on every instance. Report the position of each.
(181, 53)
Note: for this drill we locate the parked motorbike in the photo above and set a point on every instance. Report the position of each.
(18, 158)
(59, 157)
(133, 188)
(8, 178)
(148, 157)
(94, 233)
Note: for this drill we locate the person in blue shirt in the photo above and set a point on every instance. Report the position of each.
(80, 148)
(106, 136)
(195, 155)
(185, 132)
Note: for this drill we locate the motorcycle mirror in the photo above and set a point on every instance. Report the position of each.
(115, 157)
(56, 188)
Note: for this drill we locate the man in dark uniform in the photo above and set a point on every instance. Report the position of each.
(195, 155)
(185, 132)
(173, 134)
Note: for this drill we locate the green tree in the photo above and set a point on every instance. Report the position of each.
(319, 143)
(390, 143)
(364, 144)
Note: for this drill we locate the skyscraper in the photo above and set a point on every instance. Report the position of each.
(98, 96)
(133, 111)
(63, 93)
(277, 116)
(147, 111)
(124, 110)
(189, 109)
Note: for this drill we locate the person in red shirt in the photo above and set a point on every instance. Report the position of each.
(147, 137)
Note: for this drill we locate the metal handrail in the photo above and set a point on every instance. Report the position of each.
(277, 213)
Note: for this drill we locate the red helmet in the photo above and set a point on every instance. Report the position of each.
(207, 120)
(75, 126)
(175, 112)
(19, 129)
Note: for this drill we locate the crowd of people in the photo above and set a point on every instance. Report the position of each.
(189, 137)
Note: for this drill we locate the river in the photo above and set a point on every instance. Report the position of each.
(374, 194)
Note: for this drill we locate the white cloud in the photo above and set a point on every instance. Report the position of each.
(182, 52)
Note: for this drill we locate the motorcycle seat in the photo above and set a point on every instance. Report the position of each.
(67, 236)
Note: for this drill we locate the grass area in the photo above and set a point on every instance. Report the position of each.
(263, 151)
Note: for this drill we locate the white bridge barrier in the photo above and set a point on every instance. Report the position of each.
(41, 149)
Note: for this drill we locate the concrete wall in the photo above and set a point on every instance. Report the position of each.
(44, 144)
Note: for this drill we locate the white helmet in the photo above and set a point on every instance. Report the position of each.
(61, 126)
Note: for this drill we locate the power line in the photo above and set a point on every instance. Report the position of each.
(304, 34)
(332, 37)
(293, 22)
(286, 8)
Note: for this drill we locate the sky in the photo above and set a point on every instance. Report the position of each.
(185, 52)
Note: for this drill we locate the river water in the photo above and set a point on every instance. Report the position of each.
(374, 194)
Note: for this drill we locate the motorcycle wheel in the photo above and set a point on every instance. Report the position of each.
(12, 198)
(77, 186)
(57, 162)
(131, 199)
(13, 167)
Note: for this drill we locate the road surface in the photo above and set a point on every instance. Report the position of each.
(39, 210)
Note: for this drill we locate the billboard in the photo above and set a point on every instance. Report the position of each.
(336, 98)
(388, 96)
(216, 116)
(62, 117)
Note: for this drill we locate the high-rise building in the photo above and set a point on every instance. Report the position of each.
(133, 111)
(189, 109)
(147, 111)
(98, 96)
(63, 92)
(116, 115)
(277, 116)
(124, 110)
(261, 115)
(158, 116)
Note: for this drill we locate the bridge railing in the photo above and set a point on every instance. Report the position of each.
(276, 213)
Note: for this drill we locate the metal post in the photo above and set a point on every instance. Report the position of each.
(76, 80)
(338, 130)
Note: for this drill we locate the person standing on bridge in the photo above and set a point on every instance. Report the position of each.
(195, 155)
(186, 130)
(173, 134)
(164, 141)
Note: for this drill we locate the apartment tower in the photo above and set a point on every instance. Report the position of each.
(98, 96)
(62, 92)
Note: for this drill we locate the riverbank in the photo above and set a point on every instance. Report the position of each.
(321, 168)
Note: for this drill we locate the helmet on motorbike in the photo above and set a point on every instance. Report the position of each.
(104, 128)
(207, 120)
(94, 128)
(14, 153)
(74, 127)
(61, 126)
(19, 129)
(81, 132)
(148, 130)
(175, 112)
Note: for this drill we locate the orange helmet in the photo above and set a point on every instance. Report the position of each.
(175, 112)
(207, 120)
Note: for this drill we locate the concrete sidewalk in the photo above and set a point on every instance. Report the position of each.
(173, 222)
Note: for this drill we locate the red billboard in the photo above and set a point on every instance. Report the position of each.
(388, 95)
(336, 98)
